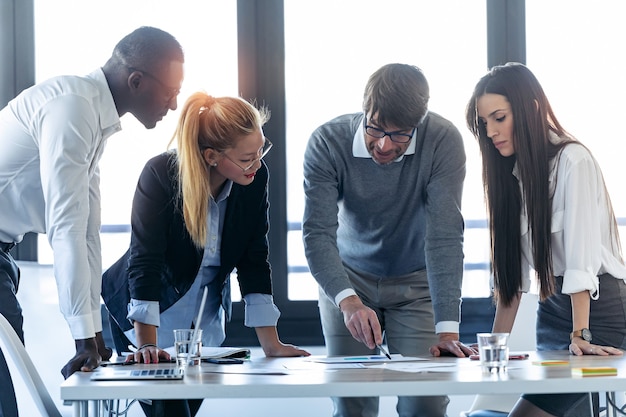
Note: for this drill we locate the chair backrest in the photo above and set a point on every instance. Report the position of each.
(15, 351)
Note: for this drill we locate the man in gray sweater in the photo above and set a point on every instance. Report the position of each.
(383, 230)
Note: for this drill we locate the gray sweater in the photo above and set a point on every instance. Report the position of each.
(386, 220)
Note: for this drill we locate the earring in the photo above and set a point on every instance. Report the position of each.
(214, 164)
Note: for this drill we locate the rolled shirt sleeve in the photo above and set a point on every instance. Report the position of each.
(144, 312)
(260, 310)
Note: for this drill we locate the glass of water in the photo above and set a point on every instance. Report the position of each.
(493, 350)
(188, 351)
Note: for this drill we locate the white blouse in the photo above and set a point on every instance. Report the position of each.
(583, 246)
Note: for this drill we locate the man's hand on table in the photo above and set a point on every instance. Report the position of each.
(449, 345)
(89, 353)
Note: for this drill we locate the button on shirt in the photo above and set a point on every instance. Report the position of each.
(259, 308)
(52, 137)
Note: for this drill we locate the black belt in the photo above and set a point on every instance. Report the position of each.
(5, 247)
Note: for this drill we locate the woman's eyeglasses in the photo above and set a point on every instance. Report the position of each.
(262, 152)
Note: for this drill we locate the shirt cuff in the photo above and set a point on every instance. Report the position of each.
(343, 295)
(97, 320)
(81, 327)
(578, 281)
(146, 312)
(447, 327)
(260, 310)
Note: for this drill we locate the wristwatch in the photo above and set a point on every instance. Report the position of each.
(584, 334)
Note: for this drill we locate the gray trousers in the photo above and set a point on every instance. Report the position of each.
(404, 309)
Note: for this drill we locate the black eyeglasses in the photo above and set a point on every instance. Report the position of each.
(261, 153)
(396, 136)
(171, 92)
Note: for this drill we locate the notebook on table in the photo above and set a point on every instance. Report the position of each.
(217, 352)
(117, 373)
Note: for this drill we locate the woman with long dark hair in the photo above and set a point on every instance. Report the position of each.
(548, 210)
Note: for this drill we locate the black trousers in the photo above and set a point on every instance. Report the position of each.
(10, 308)
(171, 408)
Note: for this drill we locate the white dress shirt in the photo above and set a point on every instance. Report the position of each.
(583, 246)
(52, 136)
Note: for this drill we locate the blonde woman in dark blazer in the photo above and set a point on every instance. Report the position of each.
(199, 212)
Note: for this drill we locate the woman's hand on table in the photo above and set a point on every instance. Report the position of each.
(581, 347)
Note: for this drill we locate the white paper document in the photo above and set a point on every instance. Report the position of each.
(363, 359)
(245, 370)
(416, 367)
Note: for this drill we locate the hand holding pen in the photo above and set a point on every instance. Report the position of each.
(384, 351)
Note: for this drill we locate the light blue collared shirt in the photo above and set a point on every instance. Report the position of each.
(260, 309)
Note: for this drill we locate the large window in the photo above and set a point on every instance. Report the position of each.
(76, 37)
(332, 48)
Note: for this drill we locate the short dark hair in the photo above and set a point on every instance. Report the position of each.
(398, 94)
(147, 48)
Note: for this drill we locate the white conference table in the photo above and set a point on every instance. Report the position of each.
(299, 378)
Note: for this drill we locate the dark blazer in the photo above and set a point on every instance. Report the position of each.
(162, 261)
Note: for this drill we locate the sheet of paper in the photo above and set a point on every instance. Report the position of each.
(416, 367)
(435, 366)
(318, 366)
(363, 359)
(243, 370)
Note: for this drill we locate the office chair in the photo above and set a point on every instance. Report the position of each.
(15, 352)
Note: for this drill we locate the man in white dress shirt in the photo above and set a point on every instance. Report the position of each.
(52, 136)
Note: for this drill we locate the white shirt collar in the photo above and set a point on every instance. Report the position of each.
(359, 150)
(109, 118)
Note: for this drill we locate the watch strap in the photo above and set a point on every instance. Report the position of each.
(581, 333)
(576, 333)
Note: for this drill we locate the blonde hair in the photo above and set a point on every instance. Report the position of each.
(208, 122)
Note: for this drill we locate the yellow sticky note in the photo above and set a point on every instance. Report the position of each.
(595, 371)
(551, 362)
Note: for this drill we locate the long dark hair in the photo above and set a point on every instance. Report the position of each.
(533, 123)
